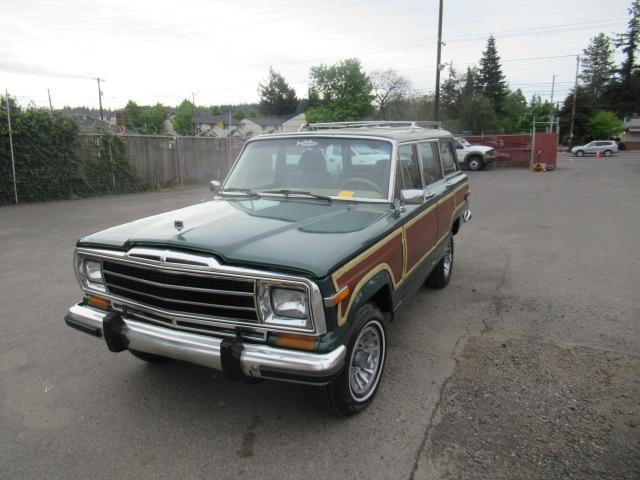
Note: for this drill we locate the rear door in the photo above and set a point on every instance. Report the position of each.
(455, 188)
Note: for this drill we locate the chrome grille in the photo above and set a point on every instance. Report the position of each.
(182, 292)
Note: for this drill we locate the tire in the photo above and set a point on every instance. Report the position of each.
(580, 153)
(441, 274)
(475, 163)
(349, 394)
(607, 153)
(150, 357)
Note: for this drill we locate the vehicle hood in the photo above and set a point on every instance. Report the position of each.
(309, 237)
(480, 148)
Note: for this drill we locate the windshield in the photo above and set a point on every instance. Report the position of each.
(463, 142)
(334, 167)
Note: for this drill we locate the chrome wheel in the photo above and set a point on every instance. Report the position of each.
(474, 164)
(366, 361)
(448, 259)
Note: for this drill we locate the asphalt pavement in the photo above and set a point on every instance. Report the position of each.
(546, 274)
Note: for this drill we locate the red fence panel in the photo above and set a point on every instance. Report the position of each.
(515, 150)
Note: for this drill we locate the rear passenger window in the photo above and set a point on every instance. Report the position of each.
(447, 157)
(408, 174)
(430, 165)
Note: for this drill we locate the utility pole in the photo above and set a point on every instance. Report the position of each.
(436, 104)
(13, 160)
(98, 79)
(553, 86)
(50, 105)
(575, 98)
(195, 122)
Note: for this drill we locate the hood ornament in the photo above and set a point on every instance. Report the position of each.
(178, 224)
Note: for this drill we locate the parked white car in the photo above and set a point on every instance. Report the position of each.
(605, 147)
(473, 157)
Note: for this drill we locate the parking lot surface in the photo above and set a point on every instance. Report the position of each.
(526, 366)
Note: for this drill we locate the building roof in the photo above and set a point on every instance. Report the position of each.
(268, 121)
(207, 119)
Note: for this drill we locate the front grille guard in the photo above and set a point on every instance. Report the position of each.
(207, 265)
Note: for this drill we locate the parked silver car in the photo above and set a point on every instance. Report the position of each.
(605, 147)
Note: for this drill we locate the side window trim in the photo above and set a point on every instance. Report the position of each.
(431, 142)
(454, 157)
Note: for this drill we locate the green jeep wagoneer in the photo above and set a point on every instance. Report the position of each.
(296, 267)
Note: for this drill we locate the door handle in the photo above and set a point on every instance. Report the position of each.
(429, 195)
(449, 185)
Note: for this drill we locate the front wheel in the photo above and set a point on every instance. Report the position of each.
(474, 163)
(607, 153)
(354, 390)
(441, 274)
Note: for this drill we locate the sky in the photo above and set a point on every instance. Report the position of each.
(165, 50)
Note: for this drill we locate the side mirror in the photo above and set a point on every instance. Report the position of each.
(412, 196)
(215, 186)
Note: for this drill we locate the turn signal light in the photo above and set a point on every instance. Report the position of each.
(295, 340)
(98, 302)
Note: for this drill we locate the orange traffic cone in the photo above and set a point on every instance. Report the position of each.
(598, 155)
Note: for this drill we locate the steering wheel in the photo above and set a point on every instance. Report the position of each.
(369, 183)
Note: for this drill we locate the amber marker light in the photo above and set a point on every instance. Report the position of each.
(98, 302)
(337, 298)
(295, 340)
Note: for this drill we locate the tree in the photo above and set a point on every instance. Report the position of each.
(537, 109)
(472, 82)
(388, 88)
(477, 114)
(586, 107)
(450, 94)
(597, 64)
(239, 114)
(514, 107)
(276, 96)
(344, 91)
(491, 77)
(604, 125)
(215, 110)
(630, 41)
(183, 119)
(151, 120)
(131, 114)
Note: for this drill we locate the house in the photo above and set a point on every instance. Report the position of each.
(631, 135)
(294, 123)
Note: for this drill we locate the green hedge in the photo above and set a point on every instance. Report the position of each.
(48, 165)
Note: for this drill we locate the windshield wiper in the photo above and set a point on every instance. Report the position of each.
(298, 193)
(243, 191)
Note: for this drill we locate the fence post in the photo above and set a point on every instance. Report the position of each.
(113, 167)
(13, 160)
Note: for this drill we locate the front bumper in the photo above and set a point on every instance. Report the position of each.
(232, 356)
(488, 159)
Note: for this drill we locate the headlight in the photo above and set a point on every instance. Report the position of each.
(89, 273)
(284, 305)
(489, 153)
(289, 303)
(93, 270)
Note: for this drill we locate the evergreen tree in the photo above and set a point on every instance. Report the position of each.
(492, 79)
(276, 96)
(183, 119)
(597, 64)
(471, 82)
(450, 94)
(630, 42)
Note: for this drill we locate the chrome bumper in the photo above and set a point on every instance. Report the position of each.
(252, 360)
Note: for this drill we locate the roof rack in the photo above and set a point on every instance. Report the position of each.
(388, 124)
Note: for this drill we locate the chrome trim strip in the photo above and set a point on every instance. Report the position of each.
(313, 291)
(180, 287)
(205, 350)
